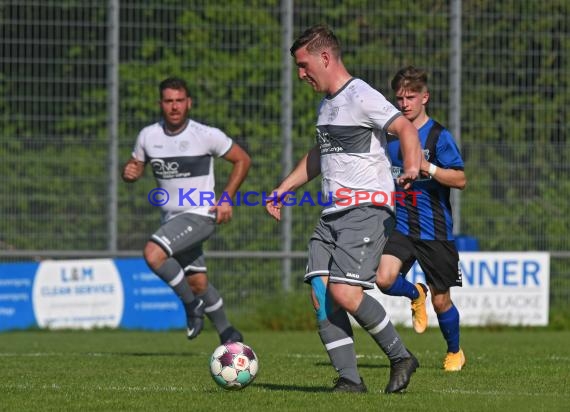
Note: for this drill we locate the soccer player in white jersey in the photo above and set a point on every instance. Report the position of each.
(181, 154)
(344, 250)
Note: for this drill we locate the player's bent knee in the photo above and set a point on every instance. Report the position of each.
(441, 301)
(198, 282)
(346, 296)
(154, 255)
(385, 280)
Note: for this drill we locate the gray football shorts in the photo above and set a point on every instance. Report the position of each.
(346, 246)
(182, 236)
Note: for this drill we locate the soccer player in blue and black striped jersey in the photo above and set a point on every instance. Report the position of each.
(424, 224)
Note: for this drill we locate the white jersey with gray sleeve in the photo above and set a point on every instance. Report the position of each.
(351, 133)
(183, 165)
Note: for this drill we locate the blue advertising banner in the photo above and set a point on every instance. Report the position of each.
(16, 295)
(508, 288)
(149, 302)
(86, 294)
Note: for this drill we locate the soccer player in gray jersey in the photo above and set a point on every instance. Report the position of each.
(181, 153)
(344, 250)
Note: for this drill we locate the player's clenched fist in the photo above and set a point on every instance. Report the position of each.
(133, 170)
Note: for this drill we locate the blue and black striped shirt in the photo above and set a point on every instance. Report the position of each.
(431, 217)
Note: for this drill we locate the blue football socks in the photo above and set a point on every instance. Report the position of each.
(449, 325)
(402, 287)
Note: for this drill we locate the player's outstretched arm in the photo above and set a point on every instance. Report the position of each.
(307, 169)
(133, 170)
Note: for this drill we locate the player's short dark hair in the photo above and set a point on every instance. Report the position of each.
(175, 83)
(410, 78)
(317, 38)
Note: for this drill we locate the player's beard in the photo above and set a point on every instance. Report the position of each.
(176, 123)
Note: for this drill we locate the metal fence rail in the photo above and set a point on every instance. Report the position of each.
(78, 80)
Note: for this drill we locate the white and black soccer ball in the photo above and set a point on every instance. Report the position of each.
(233, 365)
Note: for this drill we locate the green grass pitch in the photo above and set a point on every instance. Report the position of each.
(109, 370)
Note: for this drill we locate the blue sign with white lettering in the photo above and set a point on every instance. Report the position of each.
(16, 280)
(509, 288)
(149, 302)
(84, 294)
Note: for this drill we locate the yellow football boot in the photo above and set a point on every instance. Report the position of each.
(454, 362)
(419, 314)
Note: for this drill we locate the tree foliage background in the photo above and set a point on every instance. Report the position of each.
(54, 121)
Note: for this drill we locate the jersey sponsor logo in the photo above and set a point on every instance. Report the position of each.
(352, 275)
(166, 169)
(397, 171)
(326, 144)
(180, 167)
(343, 139)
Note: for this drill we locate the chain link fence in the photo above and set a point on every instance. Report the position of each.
(78, 79)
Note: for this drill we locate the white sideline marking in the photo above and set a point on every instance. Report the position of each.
(33, 354)
(306, 356)
(102, 354)
(140, 388)
(55, 386)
